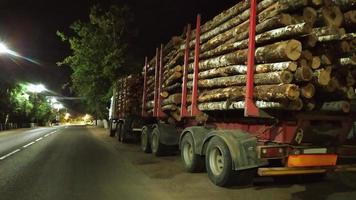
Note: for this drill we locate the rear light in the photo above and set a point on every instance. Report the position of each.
(309, 160)
(273, 152)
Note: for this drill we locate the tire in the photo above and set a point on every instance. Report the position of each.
(191, 161)
(129, 123)
(219, 166)
(146, 139)
(112, 131)
(157, 148)
(119, 131)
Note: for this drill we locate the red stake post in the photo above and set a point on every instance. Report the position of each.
(195, 111)
(155, 107)
(250, 108)
(160, 82)
(183, 108)
(144, 95)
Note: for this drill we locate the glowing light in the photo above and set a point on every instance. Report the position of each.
(5, 50)
(53, 100)
(86, 117)
(36, 88)
(58, 106)
(26, 96)
(67, 116)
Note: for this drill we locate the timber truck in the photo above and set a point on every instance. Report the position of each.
(261, 126)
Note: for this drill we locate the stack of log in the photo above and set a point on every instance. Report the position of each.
(305, 58)
(129, 100)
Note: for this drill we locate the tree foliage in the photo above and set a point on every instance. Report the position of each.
(19, 106)
(100, 54)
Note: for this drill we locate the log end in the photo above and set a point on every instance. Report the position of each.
(308, 91)
(285, 19)
(292, 66)
(296, 105)
(293, 92)
(332, 16)
(324, 77)
(309, 104)
(294, 49)
(316, 62)
(304, 74)
(333, 85)
(286, 77)
(310, 15)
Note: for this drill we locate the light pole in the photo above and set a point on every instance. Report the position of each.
(35, 89)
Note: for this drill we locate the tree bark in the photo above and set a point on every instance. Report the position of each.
(327, 30)
(263, 92)
(172, 88)
(242, 69)
(173, 99)
(242, 17)
(280, 7)
(348, 61)
(173, 78)
(168, 73)
(263, 38)
(239, 105)
(240, 80)
(278, 52)
(336, 106)
(241, 32)
(169, 107)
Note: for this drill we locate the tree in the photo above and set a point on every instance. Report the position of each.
(100, 54)
(16, 106)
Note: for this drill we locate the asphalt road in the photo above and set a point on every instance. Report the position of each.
(84, 163)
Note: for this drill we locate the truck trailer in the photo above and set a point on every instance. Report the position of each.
(262, 89)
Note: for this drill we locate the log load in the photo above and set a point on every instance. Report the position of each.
(305, 59)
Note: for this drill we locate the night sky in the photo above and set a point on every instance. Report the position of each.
(29, 27)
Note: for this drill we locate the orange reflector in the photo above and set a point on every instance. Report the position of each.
(312, 160)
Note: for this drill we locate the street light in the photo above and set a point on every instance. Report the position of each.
(5, 50)
(35, 89)
(58, 106)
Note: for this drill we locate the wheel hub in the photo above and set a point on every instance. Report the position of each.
(216, 161)
(188, 153)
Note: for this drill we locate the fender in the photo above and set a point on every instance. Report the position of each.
(167, 134)
(242, 146)
(198, 133)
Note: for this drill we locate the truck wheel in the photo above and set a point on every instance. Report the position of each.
(129, 123)
(119, 131)
(219, 166)
(112, 130)
(192, 162)
(156, 146)
(145, 139)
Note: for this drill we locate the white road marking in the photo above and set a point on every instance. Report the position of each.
(9, 154)
(29, 144)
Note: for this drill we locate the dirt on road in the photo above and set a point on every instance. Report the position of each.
(167, 176)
